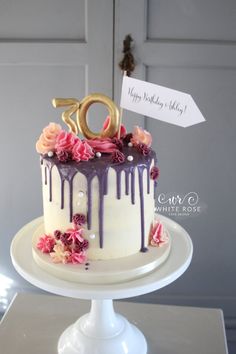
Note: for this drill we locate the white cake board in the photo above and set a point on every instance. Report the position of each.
(102, 331)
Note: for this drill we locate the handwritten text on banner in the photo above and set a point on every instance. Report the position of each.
(160, 102)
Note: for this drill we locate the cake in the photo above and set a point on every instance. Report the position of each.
(98, 204)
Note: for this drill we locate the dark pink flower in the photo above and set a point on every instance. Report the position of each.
(79, 219)
(64, 238)
(63, 155)
(122, 128)
(46, 243)
(119, 143)
(117, 157)
(57, 234)
(65, 141)
(143, 149)
(154, 173)
(82, 151)
(104, 145)
(81, 246)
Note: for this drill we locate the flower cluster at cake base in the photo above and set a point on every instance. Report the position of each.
(66, 247)
(158, 234)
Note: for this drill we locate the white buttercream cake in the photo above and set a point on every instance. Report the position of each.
(98, 202)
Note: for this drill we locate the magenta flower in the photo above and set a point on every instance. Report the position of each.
(46, 243)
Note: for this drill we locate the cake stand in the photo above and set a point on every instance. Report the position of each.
(102, 331)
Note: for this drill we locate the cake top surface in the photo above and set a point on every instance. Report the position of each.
(112, 145)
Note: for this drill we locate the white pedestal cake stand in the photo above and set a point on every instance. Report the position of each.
(102, 331)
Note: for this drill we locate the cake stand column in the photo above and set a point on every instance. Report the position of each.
(102, 331)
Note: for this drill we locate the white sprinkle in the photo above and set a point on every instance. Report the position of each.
(50, 153)
(80, 194)
(130, 144)
(92, 236)
(98, 154)
(130, 158)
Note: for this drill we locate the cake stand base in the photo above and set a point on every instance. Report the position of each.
(102, 331)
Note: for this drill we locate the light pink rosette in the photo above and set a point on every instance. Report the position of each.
(141, 136)
(104, 145)
(122, 128)
(65, 141)
(46, 243)
(82, 151)
(158, 235)
(47, 139)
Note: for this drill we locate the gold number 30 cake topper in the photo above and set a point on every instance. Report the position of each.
(80, 108)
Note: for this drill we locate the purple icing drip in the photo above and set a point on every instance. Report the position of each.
(89, 203)
(45, 175)
(99, 168)
(62, 193)
(50, 183)
(118, 184)
(127, 182)
(133, 186)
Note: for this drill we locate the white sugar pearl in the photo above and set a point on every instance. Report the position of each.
(50, 153)
(130, 158)
(92, 236)
(130, 144)
(98, 154)
(80, 194)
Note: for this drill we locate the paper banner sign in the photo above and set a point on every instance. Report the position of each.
(159, 102)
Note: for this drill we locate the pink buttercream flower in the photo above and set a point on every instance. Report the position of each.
(104, 145)
(46, 243)
(60, 254)
(47, 139)
(122, 128)
(141, 136)
(75, 235)
(78, 257)
(65, 141)
(82, 151)
(158, 234)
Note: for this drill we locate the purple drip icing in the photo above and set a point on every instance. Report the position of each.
(99, 167)
(45, 175)
(133, 186)
(50, 184)
(127, 182)
(118, 184)
(62, 193)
